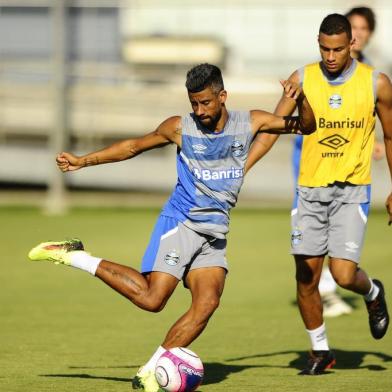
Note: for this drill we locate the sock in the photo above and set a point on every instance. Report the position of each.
(150, 365)
(318, 338)
(327, 282)
(84, 261)
(373, 292)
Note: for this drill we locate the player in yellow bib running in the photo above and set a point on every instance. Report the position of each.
(333, 194)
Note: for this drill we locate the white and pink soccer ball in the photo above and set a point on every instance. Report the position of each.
(179, 370)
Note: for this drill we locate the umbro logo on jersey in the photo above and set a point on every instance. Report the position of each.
(198, 148)
(335, 101)
(334, 141)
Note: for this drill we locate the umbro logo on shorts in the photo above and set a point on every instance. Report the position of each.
(351, 247)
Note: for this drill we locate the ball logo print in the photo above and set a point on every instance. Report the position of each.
(179, 370)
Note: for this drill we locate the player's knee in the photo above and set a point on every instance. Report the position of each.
(306, 278)
(305, 275)
(344, 280)
(154, 304)
(208, 305)
(305, 290)
(212, 304)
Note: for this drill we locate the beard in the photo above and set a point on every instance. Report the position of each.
(210, 122)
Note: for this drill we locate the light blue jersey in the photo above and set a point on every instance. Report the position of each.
(210, 168)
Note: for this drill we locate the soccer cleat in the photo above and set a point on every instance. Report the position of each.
(58, 252)
(334, 306)
(378, 313)
(146, 381)
(318, 362)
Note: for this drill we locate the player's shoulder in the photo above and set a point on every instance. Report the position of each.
(363, 70)
(171, 122)
(384, 85)
(365, 66)
(170, 126)
(298, 75)
(383, 79)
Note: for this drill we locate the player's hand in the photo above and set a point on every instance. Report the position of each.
(67, 162)
(388, 205)
(291, 89)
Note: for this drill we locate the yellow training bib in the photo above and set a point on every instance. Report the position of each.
(341, 148)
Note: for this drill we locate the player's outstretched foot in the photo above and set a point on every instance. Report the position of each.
(334, 305)
(145, 381)
(378, 313)
(318, 362)
(58, 252)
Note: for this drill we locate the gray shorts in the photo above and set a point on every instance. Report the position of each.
(332, 227)
(176, 249)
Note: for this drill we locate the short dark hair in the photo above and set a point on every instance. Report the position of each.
(335, 24)
(202, 76)
(366, 13)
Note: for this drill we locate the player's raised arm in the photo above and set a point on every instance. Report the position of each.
(270, 126)
(302, 124)
(167, 132)
(384, 111)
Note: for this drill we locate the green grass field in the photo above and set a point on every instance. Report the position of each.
(62, 330)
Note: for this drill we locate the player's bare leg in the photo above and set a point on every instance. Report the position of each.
(308, 271)
(311, 308)
(347, 275)
(149, 292)
(333, 304)
(206, 285)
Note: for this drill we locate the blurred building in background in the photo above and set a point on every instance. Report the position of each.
(79, 74)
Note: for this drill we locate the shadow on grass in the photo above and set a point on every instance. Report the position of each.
(214, 372)
(344, 359)
(87, 376)
(354, 301)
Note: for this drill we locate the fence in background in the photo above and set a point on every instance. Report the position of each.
(79, 74)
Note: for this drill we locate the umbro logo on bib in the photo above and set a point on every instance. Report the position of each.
(334, 141)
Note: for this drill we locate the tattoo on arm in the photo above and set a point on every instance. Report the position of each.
(292, 124)
(178, 131)
(91, 161)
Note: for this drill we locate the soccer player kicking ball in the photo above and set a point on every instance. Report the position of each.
(333, 195)
(189, 239)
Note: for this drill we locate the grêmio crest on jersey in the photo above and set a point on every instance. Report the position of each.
(335, 101)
